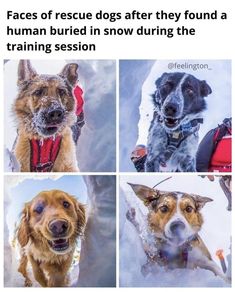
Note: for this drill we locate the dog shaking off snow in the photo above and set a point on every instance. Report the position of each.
(173, 133)
(45, 111)
(174, 220)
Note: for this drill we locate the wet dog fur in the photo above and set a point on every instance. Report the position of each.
(45, 107)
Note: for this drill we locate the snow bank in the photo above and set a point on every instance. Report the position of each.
(98, 250)
(132, 74)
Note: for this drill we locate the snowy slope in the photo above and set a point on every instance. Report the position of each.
(135, 128)
(96, 148)
(216, 232)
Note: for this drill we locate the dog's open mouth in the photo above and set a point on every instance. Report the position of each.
(59, 244)
(171, 123)
(49, 130)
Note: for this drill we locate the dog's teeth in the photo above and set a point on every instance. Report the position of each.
(41, 142)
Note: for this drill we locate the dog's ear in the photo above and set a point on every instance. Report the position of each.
(81, 215)
(204, 88)
(144, 193)
(23, 229)
(200, 201)
(25, 71)
(158, 81)
(69, 72)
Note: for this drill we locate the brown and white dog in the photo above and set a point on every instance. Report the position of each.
(174, 219)
(47, 234)
(45, 111)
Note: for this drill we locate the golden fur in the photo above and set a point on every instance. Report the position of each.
(49, 267)
(38, 93)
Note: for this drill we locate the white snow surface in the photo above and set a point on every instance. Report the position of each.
(97, 144)
(215, 232)
(136, 107)
(98, 249)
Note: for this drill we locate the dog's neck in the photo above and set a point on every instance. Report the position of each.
(173, 256)
(176, 137)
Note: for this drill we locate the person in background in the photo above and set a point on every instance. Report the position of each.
(138, 157)
(214, 153)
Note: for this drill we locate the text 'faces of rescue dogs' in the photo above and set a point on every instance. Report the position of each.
(174, 220)
(50, 225)
(45, 112)
(173, 133)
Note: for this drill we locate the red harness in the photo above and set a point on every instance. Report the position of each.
(43, 152)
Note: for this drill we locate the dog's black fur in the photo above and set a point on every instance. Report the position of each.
(173, 133)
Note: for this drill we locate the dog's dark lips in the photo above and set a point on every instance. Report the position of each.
(49, 130)
(170, 122)
(60, 244)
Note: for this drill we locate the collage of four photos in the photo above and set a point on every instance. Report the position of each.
(117, 173)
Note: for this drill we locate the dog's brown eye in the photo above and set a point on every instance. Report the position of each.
(190, 92)
(164, 209)
(62, 92)
(39, 92)
(39, 209)
(189, 209)
(66, 204)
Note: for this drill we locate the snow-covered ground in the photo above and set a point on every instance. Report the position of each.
(97, 144)
(215, 232)
(99, 241)
(137, 80)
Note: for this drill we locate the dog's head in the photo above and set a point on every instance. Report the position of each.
(179, 98)
(173, 216)
(52, 221)
(45, 104)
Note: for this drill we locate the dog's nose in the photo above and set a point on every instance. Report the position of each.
(171, 109)
(58, 227)
(176, 227)
(55, 115)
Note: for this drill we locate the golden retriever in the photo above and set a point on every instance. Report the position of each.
(50, 224)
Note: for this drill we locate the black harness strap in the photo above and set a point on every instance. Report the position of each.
(175, 138)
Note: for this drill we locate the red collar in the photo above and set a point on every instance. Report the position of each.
(44, 153)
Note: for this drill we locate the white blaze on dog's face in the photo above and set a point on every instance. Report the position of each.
(173, 216)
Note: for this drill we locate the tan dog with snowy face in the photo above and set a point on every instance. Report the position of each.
(174, 219)
(45, 112)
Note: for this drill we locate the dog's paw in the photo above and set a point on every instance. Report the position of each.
(130, 214)
(28, 283)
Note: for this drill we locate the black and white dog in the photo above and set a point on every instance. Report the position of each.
(173, 133)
